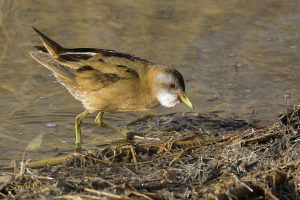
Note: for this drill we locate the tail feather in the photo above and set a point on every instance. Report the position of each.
(52, 47)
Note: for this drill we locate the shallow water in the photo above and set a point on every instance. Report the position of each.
(239, 58)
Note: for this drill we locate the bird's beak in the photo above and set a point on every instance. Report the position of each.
(183, 97)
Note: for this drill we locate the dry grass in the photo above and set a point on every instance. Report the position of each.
(205, 158)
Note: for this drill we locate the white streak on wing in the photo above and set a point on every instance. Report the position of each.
(49, 50)
(85, 53)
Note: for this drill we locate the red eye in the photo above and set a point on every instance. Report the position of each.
(172, 85)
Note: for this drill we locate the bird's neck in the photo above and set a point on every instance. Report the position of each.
(148, 87)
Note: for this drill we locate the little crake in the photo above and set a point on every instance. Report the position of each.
(110, 81)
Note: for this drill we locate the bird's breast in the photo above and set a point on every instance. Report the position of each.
(122, 98)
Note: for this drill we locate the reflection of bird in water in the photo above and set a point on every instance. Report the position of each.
(110, 81)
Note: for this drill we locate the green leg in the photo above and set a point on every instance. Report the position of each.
(142, 118)
(99, 120)
(128, 134)
(131, 135)
(78, 121)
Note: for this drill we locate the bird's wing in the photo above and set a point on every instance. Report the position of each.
(90, 68)
(47, 60)
(95, 69)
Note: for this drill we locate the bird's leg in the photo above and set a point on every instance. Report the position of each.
(142, 118)
(78, 121)
(98, 119)
(128, 134)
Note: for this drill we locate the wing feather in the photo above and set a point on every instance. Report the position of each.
(47, 60)
(91, 68)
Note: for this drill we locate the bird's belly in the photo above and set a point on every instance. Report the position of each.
(116, 102)
(122, 98)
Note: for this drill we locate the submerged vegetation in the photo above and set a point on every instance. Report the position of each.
(187, 156)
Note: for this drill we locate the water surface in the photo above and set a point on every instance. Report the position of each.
(239, 58)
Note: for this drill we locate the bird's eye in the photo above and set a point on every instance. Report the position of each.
(172, 85)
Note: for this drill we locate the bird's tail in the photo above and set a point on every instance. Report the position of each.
(52, 47)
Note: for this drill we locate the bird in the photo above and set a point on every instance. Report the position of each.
(110, 81)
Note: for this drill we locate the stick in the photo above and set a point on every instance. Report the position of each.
(49, 161)
(134, 157)
(106, 194)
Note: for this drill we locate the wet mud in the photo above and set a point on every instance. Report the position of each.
(182, 156)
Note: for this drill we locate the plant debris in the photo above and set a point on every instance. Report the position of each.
(187, 156)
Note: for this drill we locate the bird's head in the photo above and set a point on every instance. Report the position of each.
(170, 88)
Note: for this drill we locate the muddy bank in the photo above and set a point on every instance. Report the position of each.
(183, 156)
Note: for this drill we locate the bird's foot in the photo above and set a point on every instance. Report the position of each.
(78, 147)
(129, 135)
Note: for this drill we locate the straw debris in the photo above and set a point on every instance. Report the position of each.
(194, 157)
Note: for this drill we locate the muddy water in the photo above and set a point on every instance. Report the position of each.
(239, 58)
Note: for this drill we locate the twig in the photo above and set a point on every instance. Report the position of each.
(92, 158)
(22, 167)
(7, 181)
(242, 183)
(49, 161)
(78, 197)
(134, 157)
(180, 155)
(156, 185)
(270, 194)
(3, 195)
(106, 194)
(261, 137)
(192, 142)
(140, 195)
